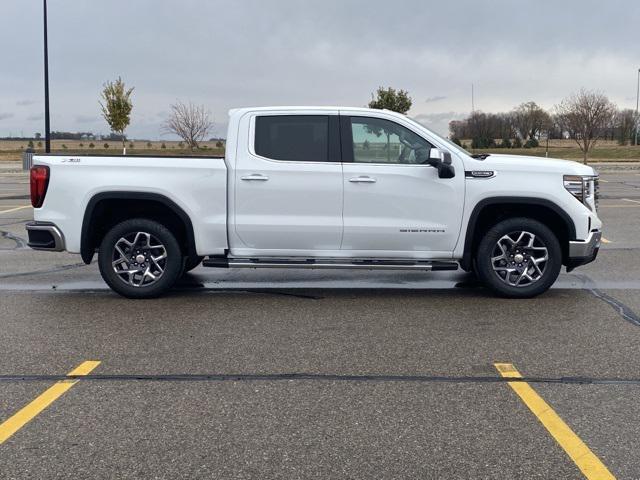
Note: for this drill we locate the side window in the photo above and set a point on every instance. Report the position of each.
(302, 138)
(381, 141)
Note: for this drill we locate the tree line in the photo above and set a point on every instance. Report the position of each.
(585, 116)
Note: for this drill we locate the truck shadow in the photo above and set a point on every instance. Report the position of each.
(197, 284)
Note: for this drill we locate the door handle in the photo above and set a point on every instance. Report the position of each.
(362, 179)
(255, 176)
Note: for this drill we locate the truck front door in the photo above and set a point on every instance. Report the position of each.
(394, 203)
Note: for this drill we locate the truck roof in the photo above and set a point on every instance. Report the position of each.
(240, 111)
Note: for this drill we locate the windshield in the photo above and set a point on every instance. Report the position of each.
(458, 149)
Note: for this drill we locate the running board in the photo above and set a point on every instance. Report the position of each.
(370, 264)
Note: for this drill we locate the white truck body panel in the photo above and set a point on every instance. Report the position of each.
(531, 177)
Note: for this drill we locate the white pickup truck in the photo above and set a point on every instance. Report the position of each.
(318, 187)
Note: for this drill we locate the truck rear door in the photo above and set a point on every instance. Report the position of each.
(288, 184)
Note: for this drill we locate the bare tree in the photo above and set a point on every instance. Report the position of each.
(482, 125)
(584, 115)
(625, 126)
(190, 122)
(530, 120)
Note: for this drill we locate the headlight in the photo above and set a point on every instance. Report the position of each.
(584, 188)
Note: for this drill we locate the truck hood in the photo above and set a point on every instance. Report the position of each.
(522, 163)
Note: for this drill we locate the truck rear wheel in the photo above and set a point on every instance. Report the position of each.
(519, 258)
(140, 258)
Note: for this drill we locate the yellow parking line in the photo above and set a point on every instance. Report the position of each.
(604, 240)
(46, 398)
(582, 456)
(15, 209)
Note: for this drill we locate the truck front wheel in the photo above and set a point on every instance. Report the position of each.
(140, 258)
(519, 258)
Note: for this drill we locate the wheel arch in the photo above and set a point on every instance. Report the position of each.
(106, 209)
(490, 211)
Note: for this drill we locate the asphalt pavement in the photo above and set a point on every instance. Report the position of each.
(318, 374)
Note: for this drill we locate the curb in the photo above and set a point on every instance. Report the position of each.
(11, 167)
(616, 167)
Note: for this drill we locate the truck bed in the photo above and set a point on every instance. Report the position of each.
(196, 184)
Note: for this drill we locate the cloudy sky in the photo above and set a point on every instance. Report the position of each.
(232, 53)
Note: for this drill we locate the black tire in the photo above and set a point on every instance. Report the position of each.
(122, 234)
(501, 278)
(190, 263)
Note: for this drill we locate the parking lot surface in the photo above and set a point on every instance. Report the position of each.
(318, 374)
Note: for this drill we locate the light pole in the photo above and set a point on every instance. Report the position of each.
(637, 101)
(472, 105)
(47, 133)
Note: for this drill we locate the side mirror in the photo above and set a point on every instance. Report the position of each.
(446, 171)
(441, 159)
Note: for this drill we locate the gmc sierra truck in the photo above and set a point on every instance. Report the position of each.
(318, 187)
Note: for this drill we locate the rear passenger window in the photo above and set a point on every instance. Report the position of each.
(302, 138)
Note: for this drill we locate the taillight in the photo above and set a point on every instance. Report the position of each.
(39, 183)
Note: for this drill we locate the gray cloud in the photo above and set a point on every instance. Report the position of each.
(227, 54)
(438, 121)
(86, 118)
(4, 116)
(36, 117)
(26, 103)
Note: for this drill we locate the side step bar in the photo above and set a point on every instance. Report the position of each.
(370, 264)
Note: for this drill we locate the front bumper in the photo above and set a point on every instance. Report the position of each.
(583, 251)
(45, 236)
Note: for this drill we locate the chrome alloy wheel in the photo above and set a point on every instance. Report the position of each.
(519, 258)
(139, 259)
